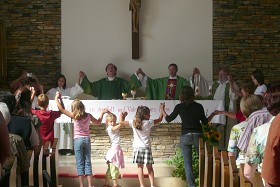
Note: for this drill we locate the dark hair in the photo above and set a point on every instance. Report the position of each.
(248, 86)
(272, 99)
(258, 75)
(186, 94)
(61, 76)
(175, 65)
(23, 101)
(9, 99)
(115, 67)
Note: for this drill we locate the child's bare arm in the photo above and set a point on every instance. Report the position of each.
(122, 117)
(99, 120)
(60, 106)
(162, 106)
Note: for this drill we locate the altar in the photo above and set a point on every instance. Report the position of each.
(116, 106)
(164, 137)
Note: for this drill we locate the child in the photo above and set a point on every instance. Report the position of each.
(47, 118)
(114, 156)
(82, 141)
(142, 153)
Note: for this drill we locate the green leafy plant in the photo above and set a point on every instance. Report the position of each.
(178, 161)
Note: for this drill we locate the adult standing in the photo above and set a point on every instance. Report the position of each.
(222, 89)
(110, 87)
(258, 80)
(166, 88)
(64, 131)
(192, 115)
(271, 161)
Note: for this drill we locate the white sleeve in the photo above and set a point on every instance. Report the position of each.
(74, 91)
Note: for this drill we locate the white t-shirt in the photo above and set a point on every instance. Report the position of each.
(141, 138)
(5, 112)
(115, 138)
(260, 90)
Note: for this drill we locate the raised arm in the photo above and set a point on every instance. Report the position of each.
(162, 110)
(122, 117)
(99, 120)
(60, 106)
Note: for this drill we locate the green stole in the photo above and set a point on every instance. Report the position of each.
(226, 99)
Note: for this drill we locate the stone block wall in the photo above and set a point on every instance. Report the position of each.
(33, 38)
(246, 36)
(164, 140)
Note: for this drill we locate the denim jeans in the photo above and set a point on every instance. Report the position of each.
(186, 142)
(82, 150)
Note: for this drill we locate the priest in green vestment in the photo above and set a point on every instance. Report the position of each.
(166, 88)
(107, 88)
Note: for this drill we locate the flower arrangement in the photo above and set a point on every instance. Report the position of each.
(210, 134)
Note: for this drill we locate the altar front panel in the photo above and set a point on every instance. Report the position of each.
(116, 106)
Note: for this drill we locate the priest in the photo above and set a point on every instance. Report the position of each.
(166, 88)
(110, 87)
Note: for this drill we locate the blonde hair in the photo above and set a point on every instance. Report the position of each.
(43, 100)
(78, 108)
(140, 116)
(250, 104)
(111, 116)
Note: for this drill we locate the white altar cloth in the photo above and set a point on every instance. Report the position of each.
(116, 106)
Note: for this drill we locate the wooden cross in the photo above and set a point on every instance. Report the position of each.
(134, 7)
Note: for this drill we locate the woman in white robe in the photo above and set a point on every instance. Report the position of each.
(64, 131)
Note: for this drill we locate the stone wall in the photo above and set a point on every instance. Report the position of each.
(246, 36)
(164, 138)
(33, 38)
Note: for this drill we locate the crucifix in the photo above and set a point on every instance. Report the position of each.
(134, 7)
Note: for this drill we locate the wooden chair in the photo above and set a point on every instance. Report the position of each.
(201, 162)
(233, 173)
(225, 169)
(216, 167)
(208, 174)
(243, 181)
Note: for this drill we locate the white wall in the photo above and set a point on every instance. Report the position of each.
(97, 32)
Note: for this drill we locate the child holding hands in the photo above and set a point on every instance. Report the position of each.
(142, 153)
(82, 141)
(114, 157)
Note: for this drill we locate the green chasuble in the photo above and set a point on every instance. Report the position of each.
(156, 88)
(104, 89)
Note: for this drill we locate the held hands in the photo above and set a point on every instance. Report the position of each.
(105, 110)
(139, 71)
(57, 96)
(81, 74)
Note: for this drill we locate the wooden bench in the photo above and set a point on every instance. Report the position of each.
(201, 162)
(208, 173)
(233, 173)
(243, 181)
(225, 169)
(51, 179)
(216, 167)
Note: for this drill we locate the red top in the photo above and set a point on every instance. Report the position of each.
(239, 116)
(47, 118)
